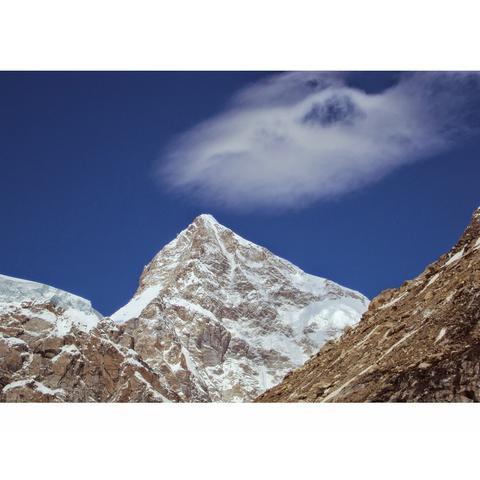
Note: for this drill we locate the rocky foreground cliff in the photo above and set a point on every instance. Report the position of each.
(417, 343)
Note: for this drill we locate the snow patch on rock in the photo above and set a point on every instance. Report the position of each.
(455, 258)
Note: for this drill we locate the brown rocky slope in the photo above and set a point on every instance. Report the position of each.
(417, 343)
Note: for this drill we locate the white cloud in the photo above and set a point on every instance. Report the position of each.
(301, 137)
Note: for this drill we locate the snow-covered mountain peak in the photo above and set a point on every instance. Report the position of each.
(205, 227)
(231, 313)
(207, 219)
(204, 242)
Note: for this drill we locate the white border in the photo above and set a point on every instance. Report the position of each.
(246, 35)
(219, 441)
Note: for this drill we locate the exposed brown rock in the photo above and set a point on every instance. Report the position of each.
(417, 343)
(39, 365)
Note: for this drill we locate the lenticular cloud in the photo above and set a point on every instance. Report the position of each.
(298, 138)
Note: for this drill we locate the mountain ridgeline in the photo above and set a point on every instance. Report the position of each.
(215, 318)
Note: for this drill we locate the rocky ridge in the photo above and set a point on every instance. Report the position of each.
(417, 343)
(55, 348)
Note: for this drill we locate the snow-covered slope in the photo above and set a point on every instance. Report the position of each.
(65, 309)
(228, 317)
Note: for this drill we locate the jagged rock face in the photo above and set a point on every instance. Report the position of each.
(420, 342)
(224, 319)
(54, 348)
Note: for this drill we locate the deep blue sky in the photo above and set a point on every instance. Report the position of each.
(81, 210)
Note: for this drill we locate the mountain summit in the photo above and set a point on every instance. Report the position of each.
(225, 319)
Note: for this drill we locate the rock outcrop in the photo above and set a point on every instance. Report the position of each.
(417, 343)
(224, 319)
(55, 348)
